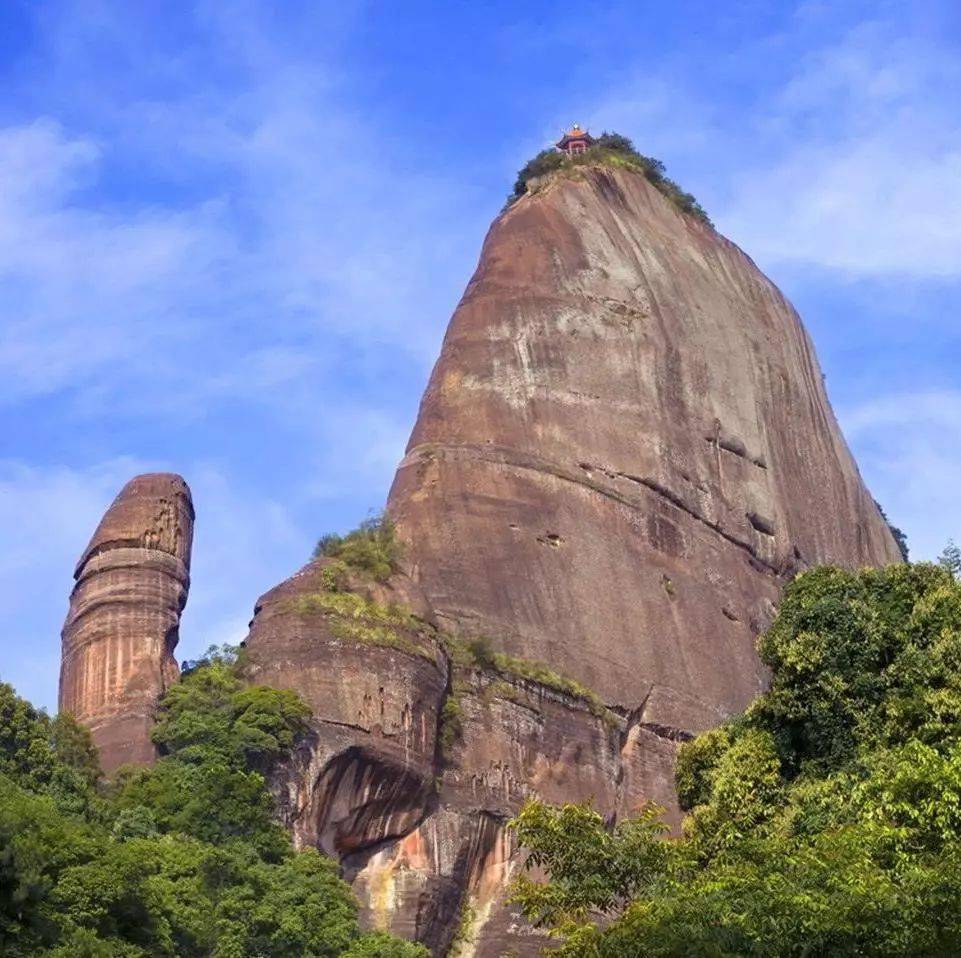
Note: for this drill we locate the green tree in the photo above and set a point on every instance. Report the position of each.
(379, 945)
(950, 559)
(825, 820)
(593, 869)
(611, 149)
(54, 755)
(182, 860)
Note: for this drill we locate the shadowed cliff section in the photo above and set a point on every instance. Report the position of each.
(122, 625)
(423, 745)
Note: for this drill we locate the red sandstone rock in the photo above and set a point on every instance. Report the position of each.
(121, 630)
(375, 684)
(624, 451)
(415, 814)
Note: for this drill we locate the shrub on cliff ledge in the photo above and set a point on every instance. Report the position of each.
(371, 548)
(609, 149)
(825, 820)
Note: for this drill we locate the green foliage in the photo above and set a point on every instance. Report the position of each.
(465, 935)
(355, 618)
(379, 945)
(546, 162)
(451, 723)
(609, 149)
(182, 860)
(862, 660)
(54, 755)
(825, 820)
(371, 548)
(950, 559)
(212, 715)
(593, 868)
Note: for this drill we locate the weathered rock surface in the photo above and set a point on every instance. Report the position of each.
(624, 451)
(418, 757)
(122, 626)
(375, 676)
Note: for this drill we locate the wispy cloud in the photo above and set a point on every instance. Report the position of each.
(287, 238)
(860, 161)
(937, 409)
(909, 448)
(86, 288)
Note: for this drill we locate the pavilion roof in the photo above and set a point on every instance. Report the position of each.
(575, 133)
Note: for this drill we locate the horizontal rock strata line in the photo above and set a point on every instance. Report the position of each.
(504, 456)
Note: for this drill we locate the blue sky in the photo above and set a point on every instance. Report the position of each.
(232, 233)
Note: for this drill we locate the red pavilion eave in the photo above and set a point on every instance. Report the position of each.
(575, 141)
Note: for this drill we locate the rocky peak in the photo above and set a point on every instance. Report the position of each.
(624, 451)
(122, 625)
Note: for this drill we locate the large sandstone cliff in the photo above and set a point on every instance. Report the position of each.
(122, 626)
(624, 451)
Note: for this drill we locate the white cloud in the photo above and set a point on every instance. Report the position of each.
(39, 167)
(86, 288)
(293, 240)
(860, 162)
(909, 451)
(938, 410)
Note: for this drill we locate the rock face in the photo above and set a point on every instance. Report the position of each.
(122, 626)
(420, 753)
(624, 451)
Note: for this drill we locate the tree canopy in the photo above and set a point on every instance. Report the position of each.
(182, 860)
(825, 820)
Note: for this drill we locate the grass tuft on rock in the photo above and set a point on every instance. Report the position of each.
(355, 618)
(451, 723)
(479, 653)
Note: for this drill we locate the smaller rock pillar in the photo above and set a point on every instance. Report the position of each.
(122, 626)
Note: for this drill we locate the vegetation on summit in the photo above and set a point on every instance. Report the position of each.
(182, 860)
(609, 149)
(825, 820)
